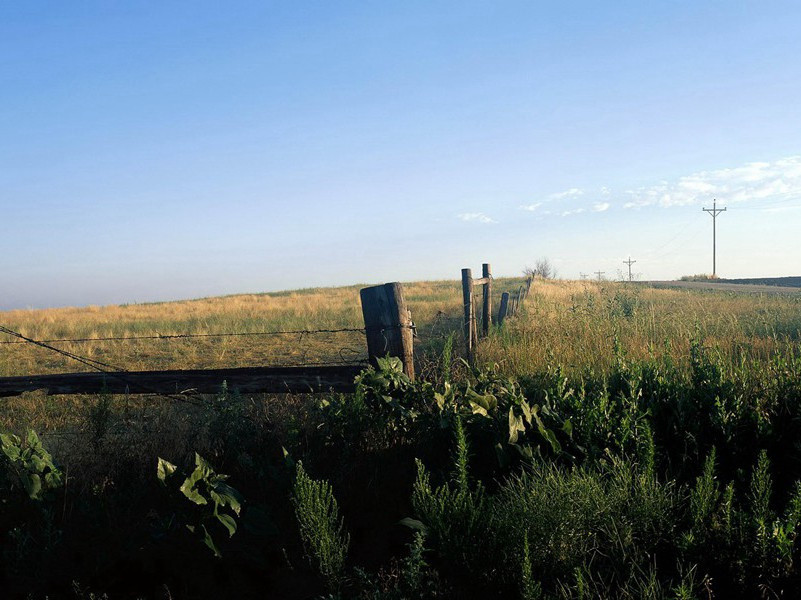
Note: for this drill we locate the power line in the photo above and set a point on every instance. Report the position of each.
(714, 211)
(599, 273)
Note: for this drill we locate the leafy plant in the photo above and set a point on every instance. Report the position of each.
(30, 464)
(215, 500)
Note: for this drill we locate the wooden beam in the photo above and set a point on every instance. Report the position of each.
(388, 324)
(504, 308)
(247, 380)
(482, 281)
(469, 315)
(486, 309)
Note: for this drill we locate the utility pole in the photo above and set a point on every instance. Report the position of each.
(599, 273)
(583, 276)
(714, 211)
(629, 262)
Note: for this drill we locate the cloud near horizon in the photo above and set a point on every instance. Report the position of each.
(777, 180)
(476, 217)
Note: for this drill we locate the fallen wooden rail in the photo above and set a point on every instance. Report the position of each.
(246, 380)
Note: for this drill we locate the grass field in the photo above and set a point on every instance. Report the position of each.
(436, 309)
(613, 441)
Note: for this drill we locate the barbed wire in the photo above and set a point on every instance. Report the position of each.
(115, 372)
(176, 336)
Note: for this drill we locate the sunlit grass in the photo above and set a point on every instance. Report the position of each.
(436, 309)
(577, 325)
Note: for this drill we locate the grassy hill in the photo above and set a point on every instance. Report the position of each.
(612, 441)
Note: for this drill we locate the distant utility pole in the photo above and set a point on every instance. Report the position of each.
(599, 273)
(714, 211)
(629, 262)
(583, 276)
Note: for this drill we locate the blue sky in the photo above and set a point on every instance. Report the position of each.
(170, 150)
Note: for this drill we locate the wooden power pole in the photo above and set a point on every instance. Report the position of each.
(629, 262)
(714, 211)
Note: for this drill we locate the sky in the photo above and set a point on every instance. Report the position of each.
(164, 150)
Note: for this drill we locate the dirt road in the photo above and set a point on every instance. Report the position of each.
(726, 287)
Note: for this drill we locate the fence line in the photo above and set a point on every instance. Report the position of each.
(388, 330)
(177, 336)
(509, 306)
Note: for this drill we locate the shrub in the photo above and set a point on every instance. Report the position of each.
(321, 527)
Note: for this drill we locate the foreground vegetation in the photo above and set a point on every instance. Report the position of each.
(613, 442)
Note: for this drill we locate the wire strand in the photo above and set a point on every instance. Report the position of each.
(176, 336)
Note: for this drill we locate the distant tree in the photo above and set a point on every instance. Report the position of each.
(543, 269)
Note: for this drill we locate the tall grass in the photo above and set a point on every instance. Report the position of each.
(582, 326)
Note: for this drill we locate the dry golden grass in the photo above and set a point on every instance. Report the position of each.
(575, 324)
(436, 308)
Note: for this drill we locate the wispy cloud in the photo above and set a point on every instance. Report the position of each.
(571, 193)
(600, 206)
(476, 217)
(775, 180)
(531, 207)
(575, 211)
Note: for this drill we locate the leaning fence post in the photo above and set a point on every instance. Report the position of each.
(504, 307)
(469, 320)
(388, 324)
(486, 309)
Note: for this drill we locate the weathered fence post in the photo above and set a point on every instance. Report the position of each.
(388, 324)
(469, 311)
(504, 308)
(486, 310)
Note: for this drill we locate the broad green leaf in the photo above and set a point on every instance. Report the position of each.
(231, 496)
(210, 542)
(52, 479)
(288, 460)
(33, 439)
(516, 426)
(164, 469)
(33, 485)
(228, 522)
(478, 409)
(203, 465)
(526, 411)
(414, 524)
(11, 451)
(188, 490)
(37, 464)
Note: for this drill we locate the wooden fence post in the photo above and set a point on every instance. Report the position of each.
(388, 324)
(469, 311)
(486, 310)
(504, 308)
